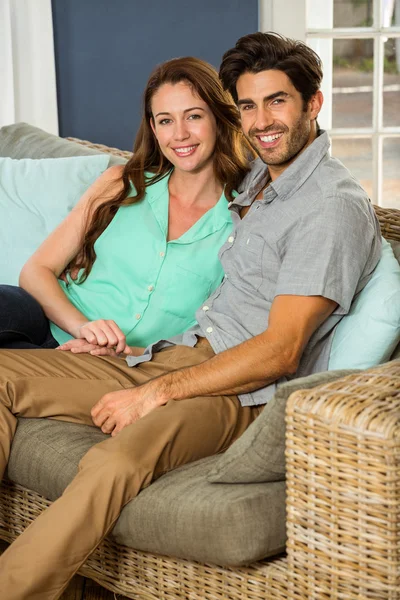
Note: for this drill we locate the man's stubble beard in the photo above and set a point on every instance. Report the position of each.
(294, 143)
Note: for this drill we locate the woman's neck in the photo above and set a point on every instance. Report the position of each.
(200, 189)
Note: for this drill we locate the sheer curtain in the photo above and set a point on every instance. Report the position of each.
(27, 67)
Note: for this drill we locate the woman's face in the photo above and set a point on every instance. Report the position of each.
(184, 126)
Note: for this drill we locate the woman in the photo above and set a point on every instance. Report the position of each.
(138, 254)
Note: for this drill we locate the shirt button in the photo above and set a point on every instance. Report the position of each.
(209, 329)
(230, 239)
(138, 316)
(150, 288)
(206, 308)
(162, 253)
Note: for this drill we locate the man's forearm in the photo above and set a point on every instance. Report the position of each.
(244, 368)
(256, 362)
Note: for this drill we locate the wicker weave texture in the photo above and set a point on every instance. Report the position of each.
(344, 512)
(389, 219)
(124, 153)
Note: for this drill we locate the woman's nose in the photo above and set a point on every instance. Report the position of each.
(181, 131)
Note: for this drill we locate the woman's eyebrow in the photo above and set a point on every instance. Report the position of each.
(185, 111)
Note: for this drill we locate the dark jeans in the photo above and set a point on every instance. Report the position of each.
(23, 323)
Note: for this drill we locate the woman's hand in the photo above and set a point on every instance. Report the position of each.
(82, 346)
(103, 333)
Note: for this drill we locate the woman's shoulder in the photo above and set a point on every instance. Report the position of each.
(110, 181)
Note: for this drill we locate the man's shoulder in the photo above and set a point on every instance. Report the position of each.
(333, 183)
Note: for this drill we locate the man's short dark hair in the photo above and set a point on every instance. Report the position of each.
(263, 51)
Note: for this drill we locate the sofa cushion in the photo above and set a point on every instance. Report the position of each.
(26, 141)
(368, 335)
(259, 454)
(35, 196)
(180, 514)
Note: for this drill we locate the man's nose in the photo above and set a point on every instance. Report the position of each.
(264, 119)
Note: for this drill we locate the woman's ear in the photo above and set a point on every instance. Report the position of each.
(153, 126)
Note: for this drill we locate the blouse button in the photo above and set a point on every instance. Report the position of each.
(138, 316)
(150, 288)
(162, 253)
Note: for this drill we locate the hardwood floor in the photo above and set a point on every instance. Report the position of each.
(81, 588)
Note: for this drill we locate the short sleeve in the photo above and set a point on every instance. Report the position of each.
(328, 252)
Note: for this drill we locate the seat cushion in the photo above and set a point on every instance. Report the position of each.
(26, 141)
(181, 514)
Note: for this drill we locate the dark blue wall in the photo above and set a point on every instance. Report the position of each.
(105, 51)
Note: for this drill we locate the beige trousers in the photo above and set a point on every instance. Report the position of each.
(59, 385)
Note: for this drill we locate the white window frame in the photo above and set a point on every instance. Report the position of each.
(312, 22)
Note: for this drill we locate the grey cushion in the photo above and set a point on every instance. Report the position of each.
(25, 141)
(180, 514)
(259, 454)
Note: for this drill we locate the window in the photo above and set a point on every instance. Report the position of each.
(359, 43)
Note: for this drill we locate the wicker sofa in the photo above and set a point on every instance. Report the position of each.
(342, 502)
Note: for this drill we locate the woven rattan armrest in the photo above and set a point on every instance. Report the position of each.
(343, 507)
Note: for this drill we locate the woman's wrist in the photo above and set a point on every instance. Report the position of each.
(76, 329)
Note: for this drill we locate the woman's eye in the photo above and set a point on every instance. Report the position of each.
(195, 116)
(164, 121)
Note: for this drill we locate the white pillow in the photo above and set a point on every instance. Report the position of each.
(35, 196)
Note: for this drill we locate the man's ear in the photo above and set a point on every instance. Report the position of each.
(315, 105)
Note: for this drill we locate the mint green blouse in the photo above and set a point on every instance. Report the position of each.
(150, 287)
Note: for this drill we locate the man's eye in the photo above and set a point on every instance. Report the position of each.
(278, 101)
(247, 106)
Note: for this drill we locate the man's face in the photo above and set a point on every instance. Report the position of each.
(274, 118)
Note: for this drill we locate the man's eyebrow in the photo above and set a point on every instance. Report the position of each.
(184, 112)
(265, 99)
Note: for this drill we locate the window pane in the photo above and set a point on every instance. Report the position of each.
(391, 174)
(391, 83)
(353, 65)
(356, 155)
(352, 13)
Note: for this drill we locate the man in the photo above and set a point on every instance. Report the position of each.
(305, 242)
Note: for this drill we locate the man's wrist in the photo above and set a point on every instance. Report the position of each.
(162, 389)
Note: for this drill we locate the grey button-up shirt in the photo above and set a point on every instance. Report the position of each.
(314, 233)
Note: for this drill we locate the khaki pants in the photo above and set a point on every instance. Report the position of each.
(59, 385)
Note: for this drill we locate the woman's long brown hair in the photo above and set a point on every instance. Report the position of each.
(231, 152)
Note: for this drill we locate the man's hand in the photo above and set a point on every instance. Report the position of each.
(116, 410)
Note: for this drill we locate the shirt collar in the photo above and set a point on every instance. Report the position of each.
(213, 220)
